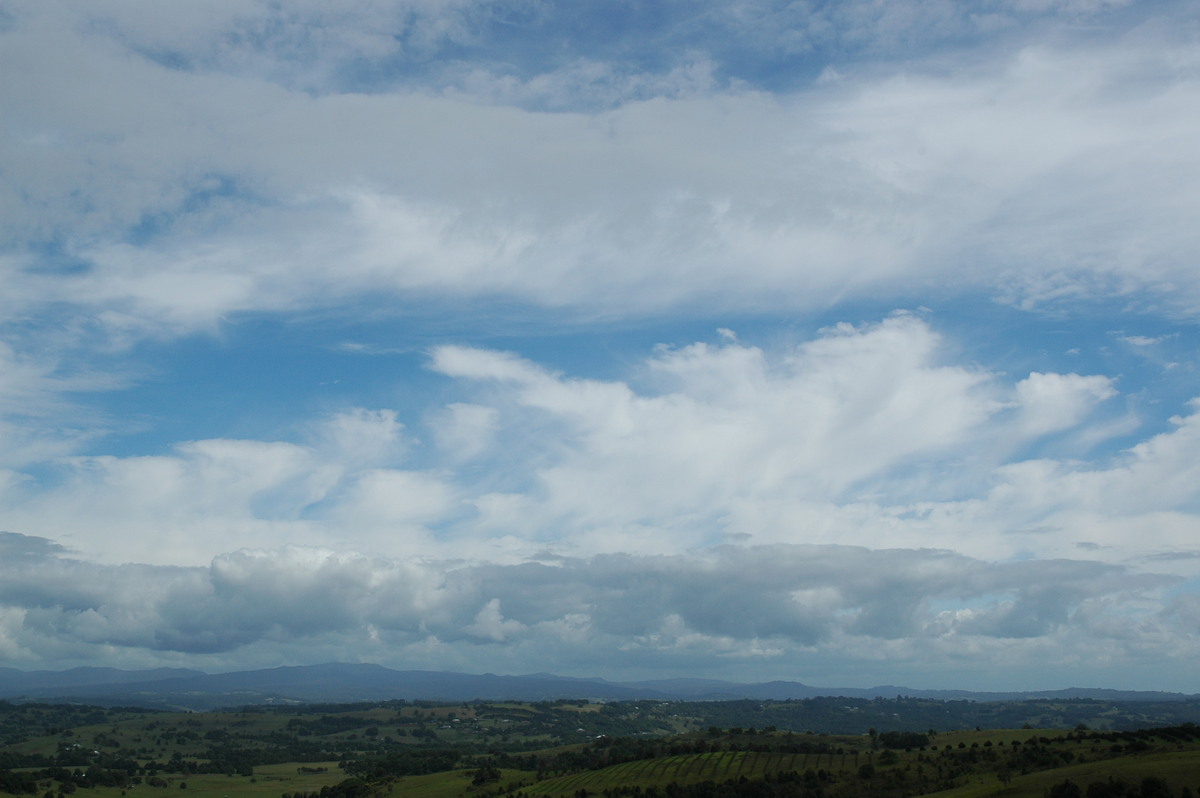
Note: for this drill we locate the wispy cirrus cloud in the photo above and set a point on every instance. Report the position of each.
(861, 186)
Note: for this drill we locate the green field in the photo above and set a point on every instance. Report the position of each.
(269, 781)
(1019, 763)
(689, 769)
(544, 750)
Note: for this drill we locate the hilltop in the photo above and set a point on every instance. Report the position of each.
(342, 682)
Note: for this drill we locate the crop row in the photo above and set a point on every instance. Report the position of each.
(689, 769)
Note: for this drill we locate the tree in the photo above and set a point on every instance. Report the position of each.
(1068, 789)
(1155, 787)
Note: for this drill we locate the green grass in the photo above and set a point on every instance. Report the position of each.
(268, 781)
(1179, 768)
(287, 778)
(454, 783)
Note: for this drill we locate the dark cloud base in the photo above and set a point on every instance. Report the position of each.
(786, 604)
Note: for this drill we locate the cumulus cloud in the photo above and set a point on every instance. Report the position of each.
(218, 495)
(490, 624)
(726, 603)
(732, 440)
(863, 434)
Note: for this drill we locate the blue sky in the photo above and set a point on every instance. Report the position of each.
(852, 343)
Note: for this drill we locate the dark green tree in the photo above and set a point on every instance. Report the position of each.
(1068, 789)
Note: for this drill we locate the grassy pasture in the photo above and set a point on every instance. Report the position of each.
(454, 783)
(269, 781)
(160, 734)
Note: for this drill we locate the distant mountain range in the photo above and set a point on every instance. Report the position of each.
(179, 688)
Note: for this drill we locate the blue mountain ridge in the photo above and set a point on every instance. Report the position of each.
(349, 682)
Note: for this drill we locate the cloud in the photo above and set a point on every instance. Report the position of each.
(36, 392)
(726, 603)
(464, 431)
(725, 441)
(307, 46)
(1144, 340)
(866, 185)
(631, 53)
(1051, 402)
(862, 434)
(16, 547)
(361, 437)
(218, 495)
(831, 485)
(490, 624)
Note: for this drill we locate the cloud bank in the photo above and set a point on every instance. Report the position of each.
(731, 606)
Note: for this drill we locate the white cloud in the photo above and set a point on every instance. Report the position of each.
(464, 431)
(390, 510)
(868, 185)
(36, 394)
(212, 496)
(490, 624)
(732, 439)
(861, 435)
(174, 172)
(362, 437)
(1143, 340)
(1052, 402)
(458, 361)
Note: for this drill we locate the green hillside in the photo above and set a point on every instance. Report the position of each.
(566, 749)
(1007, 762)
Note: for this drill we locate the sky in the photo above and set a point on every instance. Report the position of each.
(850, 343)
